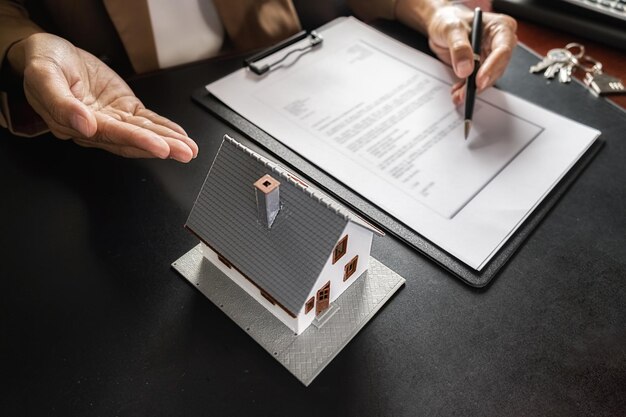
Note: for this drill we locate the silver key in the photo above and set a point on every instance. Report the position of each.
(565, 73)
(557, 55)
(552, 70)
(603, 84)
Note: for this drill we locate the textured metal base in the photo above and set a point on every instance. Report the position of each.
(307, 354)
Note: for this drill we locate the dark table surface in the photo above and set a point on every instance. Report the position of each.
(94, 322)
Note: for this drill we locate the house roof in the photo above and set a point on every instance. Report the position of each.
(285, 260)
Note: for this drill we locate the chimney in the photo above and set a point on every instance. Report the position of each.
(266, 189)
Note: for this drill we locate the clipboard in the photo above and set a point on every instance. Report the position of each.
(517, 70)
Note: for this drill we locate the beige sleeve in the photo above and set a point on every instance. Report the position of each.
(14, 26)
(368, 10)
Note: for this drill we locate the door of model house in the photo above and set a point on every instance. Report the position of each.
(323, 298)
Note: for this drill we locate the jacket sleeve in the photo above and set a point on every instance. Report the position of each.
(368, 10)
(252, 24)
(15, 25)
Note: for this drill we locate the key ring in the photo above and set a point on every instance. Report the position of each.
(573, 46)
(595, 67)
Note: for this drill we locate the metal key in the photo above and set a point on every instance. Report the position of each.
(578, 51)
(565, 73)
(554, 56)
(552, 70)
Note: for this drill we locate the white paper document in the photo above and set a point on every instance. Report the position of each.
(377, 115)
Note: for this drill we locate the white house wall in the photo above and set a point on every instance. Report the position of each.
(359, 243)
(251, 289)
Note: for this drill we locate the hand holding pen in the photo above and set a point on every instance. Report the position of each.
(448, 28)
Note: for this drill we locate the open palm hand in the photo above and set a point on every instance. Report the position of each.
(82, 99)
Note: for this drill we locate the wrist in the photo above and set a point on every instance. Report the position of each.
(15, 56)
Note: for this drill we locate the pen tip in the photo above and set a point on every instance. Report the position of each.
(468, 126)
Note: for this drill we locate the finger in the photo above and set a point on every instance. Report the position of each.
(179, 150)
(118, 132)
(457, 85)
(125, 151)
(503, 40)
(461, 53)
(458, 96)
(494, 67)
(48, 86)
(442, 53)
(160, 120)
(188, 146)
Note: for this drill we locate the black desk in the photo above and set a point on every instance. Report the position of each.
(94, 322)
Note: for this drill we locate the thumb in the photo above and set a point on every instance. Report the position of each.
(461, 53)
(82, 118)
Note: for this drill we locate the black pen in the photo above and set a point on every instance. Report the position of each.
(470, 93)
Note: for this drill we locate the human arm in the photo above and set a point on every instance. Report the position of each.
(82, 99)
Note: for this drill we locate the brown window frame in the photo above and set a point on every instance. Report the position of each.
(337, 253)
(350, 268)
(309, 305)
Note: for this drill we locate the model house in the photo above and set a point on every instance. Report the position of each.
(289, 246)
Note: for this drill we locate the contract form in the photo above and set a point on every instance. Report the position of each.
(377, 116)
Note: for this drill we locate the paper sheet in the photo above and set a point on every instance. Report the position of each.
(377, 116)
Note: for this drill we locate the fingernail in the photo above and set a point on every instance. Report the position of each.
(80, 124)
(464, 68)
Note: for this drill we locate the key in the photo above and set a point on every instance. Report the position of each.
(603, 84)
(541, 65)
(554, 56)
(565, 73)
(552, 70)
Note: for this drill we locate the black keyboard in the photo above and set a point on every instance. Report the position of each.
(612, 8)
(603, 21)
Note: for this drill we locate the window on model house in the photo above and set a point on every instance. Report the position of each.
(309, 305)
(350, 268)
(340, 249)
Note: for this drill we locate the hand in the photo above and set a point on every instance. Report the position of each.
(82, 99)
(449, 40)
(448, 28)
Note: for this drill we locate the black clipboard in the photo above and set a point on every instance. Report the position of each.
(518, 68)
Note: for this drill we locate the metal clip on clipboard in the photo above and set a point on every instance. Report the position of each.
(315, 40)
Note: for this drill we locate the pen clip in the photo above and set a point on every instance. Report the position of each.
(315, 39)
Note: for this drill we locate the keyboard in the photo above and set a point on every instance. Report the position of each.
(612, 8)
(603, 21)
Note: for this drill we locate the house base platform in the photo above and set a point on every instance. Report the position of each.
(306, 355)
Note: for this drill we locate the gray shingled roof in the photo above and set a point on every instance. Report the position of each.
(285, 260)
